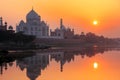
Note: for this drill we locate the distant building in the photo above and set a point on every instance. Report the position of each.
(3, 27)
(10, 29)
(33, 26)
(62, 32)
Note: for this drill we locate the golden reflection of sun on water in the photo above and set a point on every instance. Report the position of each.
(95, 65)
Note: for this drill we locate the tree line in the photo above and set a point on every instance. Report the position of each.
(93, 38)
(16, 38)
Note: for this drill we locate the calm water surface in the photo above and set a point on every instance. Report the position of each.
(67, 65)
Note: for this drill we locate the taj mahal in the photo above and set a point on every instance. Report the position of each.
(39, 28)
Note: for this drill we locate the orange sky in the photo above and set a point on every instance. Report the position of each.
(78, 14)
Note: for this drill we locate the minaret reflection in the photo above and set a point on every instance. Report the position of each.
(62, 57)
(4, 66)
(69, 55)
(34, 65)
(1, 69)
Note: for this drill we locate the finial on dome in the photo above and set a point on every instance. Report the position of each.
(32, 8)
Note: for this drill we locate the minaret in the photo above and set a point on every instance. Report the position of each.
(61, 65)
(5, 26)
(61, 23)
(73, 31)
(1, 21)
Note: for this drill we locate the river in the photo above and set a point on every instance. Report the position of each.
(86, 64)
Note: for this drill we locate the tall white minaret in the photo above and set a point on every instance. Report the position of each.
(1, 21)
(61, 23)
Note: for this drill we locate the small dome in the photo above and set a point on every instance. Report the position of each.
(22, 23)
(5, 22)
(32, 15)
(0, 18)
(68, 28)
(10, 28)
(43, 22)
(57, 29)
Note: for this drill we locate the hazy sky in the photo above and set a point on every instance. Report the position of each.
(78, 14)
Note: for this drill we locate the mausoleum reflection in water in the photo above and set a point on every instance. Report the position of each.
(34, 65)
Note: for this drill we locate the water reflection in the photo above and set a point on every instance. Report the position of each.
(34, 65)
(40, 61)
(7, 60)
(4, 66)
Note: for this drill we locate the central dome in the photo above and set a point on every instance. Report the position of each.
(32, 15)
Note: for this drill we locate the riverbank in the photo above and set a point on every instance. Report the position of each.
(24, 47)
(11, 56)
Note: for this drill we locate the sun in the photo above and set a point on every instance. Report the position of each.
(95, 65)
(95, 22)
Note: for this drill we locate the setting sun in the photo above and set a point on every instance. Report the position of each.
(95, 22)
(95, 65)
